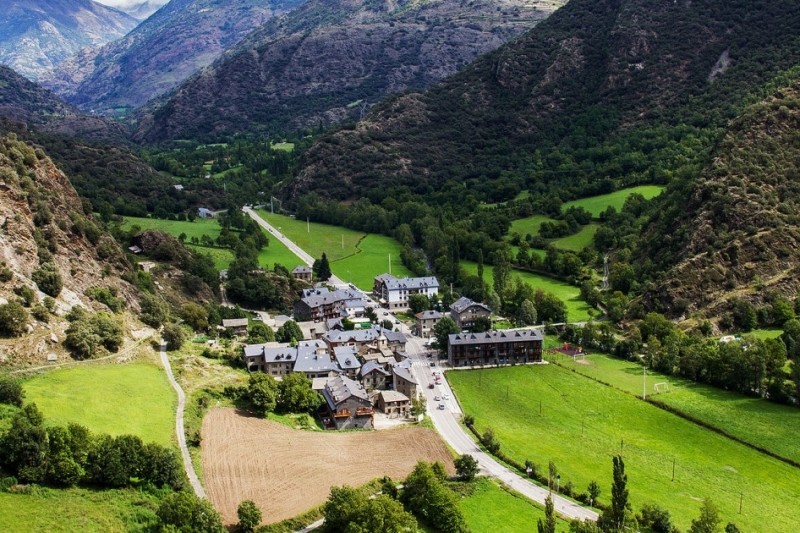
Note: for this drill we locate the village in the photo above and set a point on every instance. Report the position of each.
(368, 370)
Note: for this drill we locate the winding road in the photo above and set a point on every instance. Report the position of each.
(179, 429)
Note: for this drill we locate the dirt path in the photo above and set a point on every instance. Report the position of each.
(179, 429)
(286, 471)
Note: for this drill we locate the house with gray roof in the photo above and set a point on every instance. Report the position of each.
(315, 361)
(302, 272)
(271, 358)
(426, 321)
(404, 381)
(237, 326)
(394, 404)
(465, 312)
(503, 347)
(374, 376)
(347, 358)
(347, 405)
(394, 293)
(321, 303)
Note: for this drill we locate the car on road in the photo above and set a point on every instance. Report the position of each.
(396, 321)
(441, 406)
(431, 385)
(437, 398)
(386, 313)
(433, 363)
(445, 396)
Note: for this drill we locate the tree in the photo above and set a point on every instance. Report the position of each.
(527, 313)
(341, 506)
(11, 391)
(549, 524)
(466, 467)
(174, 336)
(656, 518)
(418, 303)
(154, 310)
(249, 516)
(289, 332)
(614, 517)
(418, 406)
(13, 319)
(48, 279)
(442, 331)
(744, 315)
(262, 391)
(195, 316)
(161, 466)
(382, 514)
(321, 268)
(489, 440)
(23, 448)
(260, 333)
(188, 513)
(708, 521)
(295, 394)
(482, 324)
(594, 492)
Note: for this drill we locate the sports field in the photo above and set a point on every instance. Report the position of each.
(577, 309)
(597, 204)
(761, 423)
(583, 424)
(354, 256)
(493, 509)
(117, 399)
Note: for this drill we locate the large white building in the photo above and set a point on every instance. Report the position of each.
(394, 293)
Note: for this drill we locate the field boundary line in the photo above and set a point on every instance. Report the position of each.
(690, 418)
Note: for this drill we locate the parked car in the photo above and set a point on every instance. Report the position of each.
(441, 406)
(445, 396)
(437, 398)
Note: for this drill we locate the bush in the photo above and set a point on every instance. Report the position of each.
(174, 336)
(186, 512)
(13, 319)
(11, 391)
(48, 279)
(87, 333)
(106, 296)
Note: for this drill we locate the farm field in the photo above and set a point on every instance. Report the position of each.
(577, 241)
(275, 252)
(286, 471)
(490, 508)
(597, 204)
(117, 399)
(362, 257)
(759, 422)
(577, 309)
(70, 510)
(583, 424)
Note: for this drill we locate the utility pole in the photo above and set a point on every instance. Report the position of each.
(308, 226)
(390, 264)
(644, 383)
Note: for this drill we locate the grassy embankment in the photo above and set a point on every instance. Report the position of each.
(584, 423)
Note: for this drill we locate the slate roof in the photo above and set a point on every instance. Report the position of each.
(404, 373)
(489, 337)
(390, 396)
(395, 284)
(463, 303)
(429, 315)
(301, 269)
(347, 358)
(234, 322)
(308, 360)
(369, 366)
(340, 388)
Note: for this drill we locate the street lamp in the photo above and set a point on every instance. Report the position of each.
(558, 483)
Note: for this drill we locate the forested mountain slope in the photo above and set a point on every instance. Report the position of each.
(623, 90)
(180, 38)
(36, 35)
(735, 232)
(328, 61)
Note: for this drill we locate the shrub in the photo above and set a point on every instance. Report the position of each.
(11, 391)
(13, 319)
(48, 279)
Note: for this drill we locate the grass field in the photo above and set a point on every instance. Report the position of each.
(577, 241)
(493, 509)
(70, 510)
(275, 252)
(759, 422)
(354, 256)
(597, 204)
(529, 225)
(583, 424)
(577, 309)
(286, 147)
(117, 399)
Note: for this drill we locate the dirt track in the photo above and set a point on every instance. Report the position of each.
(286, 471)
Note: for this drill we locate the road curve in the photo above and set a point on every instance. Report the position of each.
(447, 424)
(179, 429)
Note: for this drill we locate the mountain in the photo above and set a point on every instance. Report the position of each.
(138, 9)
(180, 38)
(735, 231)
(23, 101)
(36, 35)
(603, 92)
(329, 60)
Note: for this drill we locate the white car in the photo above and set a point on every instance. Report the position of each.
(445, 396)
(437, 398)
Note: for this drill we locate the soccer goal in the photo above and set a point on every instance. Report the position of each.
(661, 387)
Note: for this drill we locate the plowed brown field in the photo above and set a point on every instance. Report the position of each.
(286, 471)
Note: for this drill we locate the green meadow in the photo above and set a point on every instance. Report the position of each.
(529, 225)
(284, 146)
(577, 241)
(583, 424)
(597, 204)
(371, 259)
(577, 309)
(336, 242)
(117, 399)
(758, 422)
(491, 508)
(68, 510)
